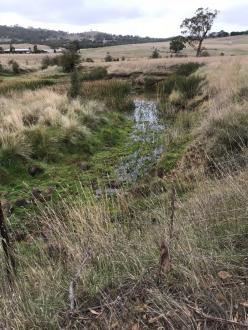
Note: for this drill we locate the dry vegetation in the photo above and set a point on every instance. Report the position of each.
(99, 263)
(161, 65)
(26, 61)
(237, 45)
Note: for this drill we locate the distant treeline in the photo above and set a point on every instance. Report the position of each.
(93, 39)
(222, 34)
(17, 34)
(120, 40)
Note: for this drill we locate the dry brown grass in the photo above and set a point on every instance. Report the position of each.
(46, 110)
(45, 107)
(26, 61)
(137, 55)
(163, 65)
(119, 284)
(237, 45)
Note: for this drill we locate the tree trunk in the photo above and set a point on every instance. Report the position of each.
(199, 48)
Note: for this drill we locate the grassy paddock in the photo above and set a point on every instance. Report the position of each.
(236, 45)
(26, 61)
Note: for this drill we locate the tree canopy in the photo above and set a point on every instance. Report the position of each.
(197, 27)
(177, 44)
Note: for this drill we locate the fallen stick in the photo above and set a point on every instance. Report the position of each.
(218, 319)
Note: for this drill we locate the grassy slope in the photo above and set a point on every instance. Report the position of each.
(237, 45)
(121, 235)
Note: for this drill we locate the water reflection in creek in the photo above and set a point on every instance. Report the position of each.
(147, 138)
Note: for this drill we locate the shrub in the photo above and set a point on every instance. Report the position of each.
(108, 58)
(155, 53)
(89, 60)
(45, 62)
(177, 44)
(75, 84)
(69, 60)
(204, 53)
(15, 67)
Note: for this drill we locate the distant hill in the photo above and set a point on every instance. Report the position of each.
(17, 34)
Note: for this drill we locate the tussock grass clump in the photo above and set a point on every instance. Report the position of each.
(186, 69)
(13, 145)
(109, 88)
(51, 125)
(114, 92)
(219, 213)
(226, 133)
(178, 80)
(179, 93)
(189, 87)
(96, 73)
(45, 142)
(176, 98)
(224, 129)
(166, 87)
(180, 88)
(15, 67)
(25, 85)
(242, 94)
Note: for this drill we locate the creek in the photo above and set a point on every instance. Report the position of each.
(146, 139)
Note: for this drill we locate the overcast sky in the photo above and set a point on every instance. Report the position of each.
(157, 18)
